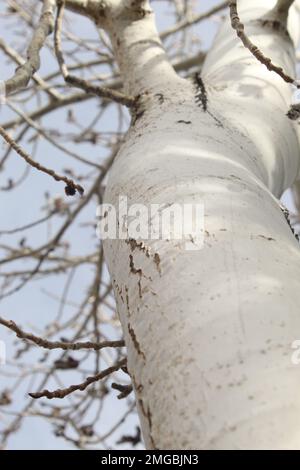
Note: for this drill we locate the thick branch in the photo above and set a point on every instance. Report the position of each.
(142, 60)
(90, 8)
(283, 6)
(281, 11)
(78, 82)
(10, 52)
(25, 72)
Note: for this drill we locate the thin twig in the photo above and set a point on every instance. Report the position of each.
(27, 226)
(70, 188)
(61, 393)
(238, 26)
(193, 20)
(66, 346)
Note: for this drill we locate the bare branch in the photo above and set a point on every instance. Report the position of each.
(28, 226)
(61, 393)
(238, 26)
(25, 72)
(44, 343)
(10, 52)
(193, 20)
(70, 188)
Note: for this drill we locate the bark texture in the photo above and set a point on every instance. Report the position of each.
(209, 332)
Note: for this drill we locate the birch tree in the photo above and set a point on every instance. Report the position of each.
(210, 332)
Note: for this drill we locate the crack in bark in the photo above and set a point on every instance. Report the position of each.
(138, 245)
(118, 289)
(148, 415)
(157, 262)
(135, 341)
(160, 97)
(201, 95)
(286, 214)
(127, 300)
(201, 98)
(138, 271)
(133, 269)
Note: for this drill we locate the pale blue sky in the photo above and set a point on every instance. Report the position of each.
(31, 307)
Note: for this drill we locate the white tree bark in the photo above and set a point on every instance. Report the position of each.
(209, 332)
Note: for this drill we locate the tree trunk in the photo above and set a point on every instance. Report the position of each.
(209, 331)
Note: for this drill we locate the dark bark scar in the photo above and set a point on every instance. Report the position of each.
(127, 300)
(276, 25)
(139, 246)
(157, 262)
(138, 109)
(135, 341)
(139, 272)
(160, 97)
(118, 289)
(133, 269)
(148, 416)
(201, 97)
(201, 94)
(287, 218)
(270, 239)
